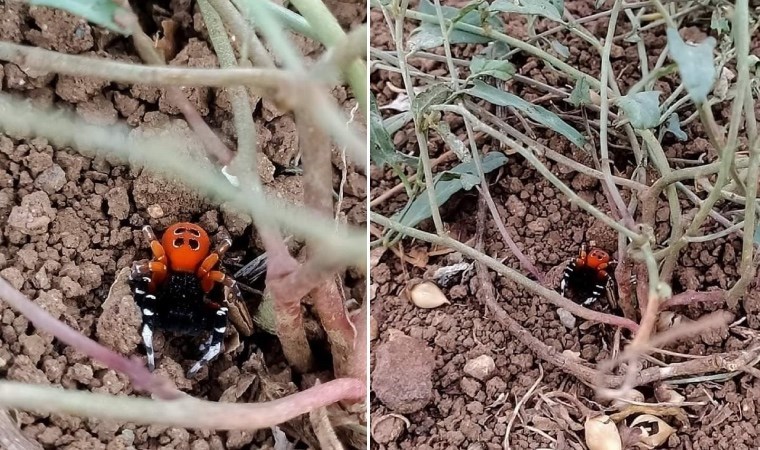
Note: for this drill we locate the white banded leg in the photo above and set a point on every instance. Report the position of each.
(596, 294)
(566, 277)
(214, 345)
(147, 304)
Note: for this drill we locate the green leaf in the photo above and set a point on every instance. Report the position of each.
(642, 109)
(500, 69)
(452, 141)
(581, 94)
(543, 8)
(469, 181)
(495, 50)
(673, 126)
(99, 12)
(537, 113)
(695, 64)
(560, 49)
(382, 151)
(462, 177)
(394, 123)
(718, 22)
(429, 35)
(472, 6)
(436, 94)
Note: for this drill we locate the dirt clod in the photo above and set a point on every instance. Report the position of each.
(480, 368)
(402, 378)
(118, 325)
(34, 214)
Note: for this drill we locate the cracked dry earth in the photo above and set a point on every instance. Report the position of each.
(70, 224)
(463, 372)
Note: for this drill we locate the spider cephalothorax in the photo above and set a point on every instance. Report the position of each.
(587, 275)
(171, 290)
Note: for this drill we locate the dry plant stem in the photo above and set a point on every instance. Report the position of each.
(691, 297)
(612, 190)
(160, 154)
(140, 376)
(182, 412)
(422, 142)
(328, 302)
(330, 33)
(741, 38)
(649, 197)
(543, 170)
(349, 48)
(719, 319)
(320, 422)
(530, 285)
(257, 53)
(245, 164)
(486, 195)
(399, 188)
(280, 283)
(557, 63)
(659, 159)
(11, 437)
(548, 152)
(357, 367)
(269, 82)
(591, 376)
(149, 54)
(726, 153)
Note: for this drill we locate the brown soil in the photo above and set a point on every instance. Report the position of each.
(468, 409)
(69, 224)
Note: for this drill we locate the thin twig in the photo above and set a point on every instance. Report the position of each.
(140, 376)
(181, 412)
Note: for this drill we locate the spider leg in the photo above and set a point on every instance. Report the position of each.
(239, 313)
(211, 261)
(214, 345)
(569, 270)
(146, 301)
(596, 293)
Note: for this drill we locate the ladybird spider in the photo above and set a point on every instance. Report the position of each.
(587, 275)
(171, 290)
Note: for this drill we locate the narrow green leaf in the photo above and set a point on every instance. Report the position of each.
(673, 126)
(535, 112)
(462, 177)
(394, 123)
(695, 64)
(581, 94)
(472, 6)
(495, 50)
(500, 69)
(543, 8)
(469, 181)
(382, 151)
(642, 109)
(99, 12)
(428, 35)
(561, 49)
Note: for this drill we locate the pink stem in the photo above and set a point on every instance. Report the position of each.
(141, 377)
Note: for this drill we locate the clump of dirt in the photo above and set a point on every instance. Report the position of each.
(70, 226)
(471, 408)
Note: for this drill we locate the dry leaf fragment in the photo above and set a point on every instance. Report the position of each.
(654, 431)
(427, 295)
(602, 433)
